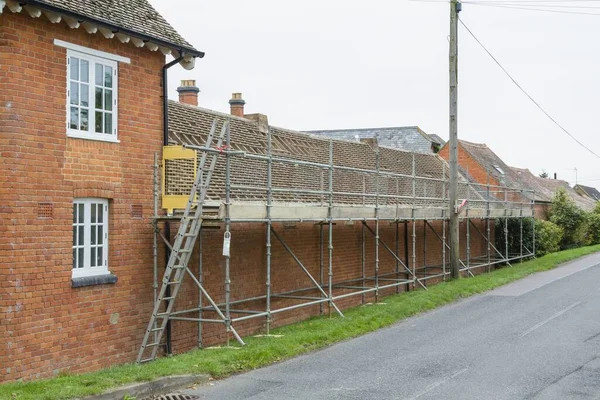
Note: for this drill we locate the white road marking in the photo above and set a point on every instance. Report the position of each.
(558, 314)
(438, 383)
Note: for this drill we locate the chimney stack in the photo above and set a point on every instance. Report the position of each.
(188, 92)
(555, 175)
(237, 105)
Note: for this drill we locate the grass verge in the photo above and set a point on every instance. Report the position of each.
(297, 338)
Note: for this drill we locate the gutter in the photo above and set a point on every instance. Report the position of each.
(189, 51)
(165, 88)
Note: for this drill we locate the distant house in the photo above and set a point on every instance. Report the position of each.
(545, 188)
(482, 165)
(588, 191)
(408, 138)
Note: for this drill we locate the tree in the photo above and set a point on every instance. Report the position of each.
(544, 174)
(570, 218)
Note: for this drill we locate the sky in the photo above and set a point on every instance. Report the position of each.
(335, 64)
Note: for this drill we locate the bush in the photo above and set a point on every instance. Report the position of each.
(593, 226)
(548, 237)
(570, 218)
(514, 235)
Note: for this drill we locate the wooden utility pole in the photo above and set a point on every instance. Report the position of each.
(453, 211)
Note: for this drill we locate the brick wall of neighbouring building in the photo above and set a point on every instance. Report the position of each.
(46, 326)
(468, 163)
(248, 268)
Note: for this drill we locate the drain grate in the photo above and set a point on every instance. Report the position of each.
(176, 396)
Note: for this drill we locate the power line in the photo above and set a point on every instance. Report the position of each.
(525, 4)
(524, 91)
(533, 9)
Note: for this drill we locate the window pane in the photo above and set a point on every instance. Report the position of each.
(108, 100)
(85, 71)
(98, 74)
(93, 235)
(98, 121)
(99, 263)
(84, 95)
(74, 213)
(80, 236)
(98, 98)
(74, 118)
(85, 120)
(74, 258)
(108, 72)
(100, 234)
(108, 123)
(93, 257)
(80, 258)
(74, 93)
(80, 213)
(74, 62)
(93, 213)
(100, 213)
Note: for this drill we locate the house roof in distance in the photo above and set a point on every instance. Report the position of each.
(588, 190)
(128, 17)
(409, 138)
(545, 188)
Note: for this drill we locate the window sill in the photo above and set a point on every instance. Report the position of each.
(99, 138)
(93, 280)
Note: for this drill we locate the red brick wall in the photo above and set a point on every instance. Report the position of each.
(248, 269)
(46, 326)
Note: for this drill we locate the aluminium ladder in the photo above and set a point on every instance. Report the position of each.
(181, 253)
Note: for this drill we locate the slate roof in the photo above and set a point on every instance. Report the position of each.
(409, 138)
(137, 16)
(589, 191)
(545, 188)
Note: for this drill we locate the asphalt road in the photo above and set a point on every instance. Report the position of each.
(538, 338)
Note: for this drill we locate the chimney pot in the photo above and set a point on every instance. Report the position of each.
(237, 105)
(188, 92)
(555, 175)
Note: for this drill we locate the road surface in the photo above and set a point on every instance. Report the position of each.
(537, 338)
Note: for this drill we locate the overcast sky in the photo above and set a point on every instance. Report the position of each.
(356, 64)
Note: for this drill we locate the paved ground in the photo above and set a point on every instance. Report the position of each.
(538, 338)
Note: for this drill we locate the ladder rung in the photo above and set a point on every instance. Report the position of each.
(156, 329)
(162, 315)
(167, 298)
(146, 360)
(178, 266)
(184, 251)
(174, 282)
(152, 344)
(189, 234)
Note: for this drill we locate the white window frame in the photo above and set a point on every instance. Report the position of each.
(93, 57)
(88, 225)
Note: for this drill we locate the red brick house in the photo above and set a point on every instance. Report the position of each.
(81, 115)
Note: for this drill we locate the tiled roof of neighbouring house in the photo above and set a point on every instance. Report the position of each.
(409, 138)
(590, 191)
(545, 188)
(135, 15)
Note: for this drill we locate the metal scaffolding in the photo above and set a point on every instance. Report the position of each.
(370, 197)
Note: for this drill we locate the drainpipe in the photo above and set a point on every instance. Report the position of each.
(168, 349)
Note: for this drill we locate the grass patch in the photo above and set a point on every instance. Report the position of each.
(297, 338)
